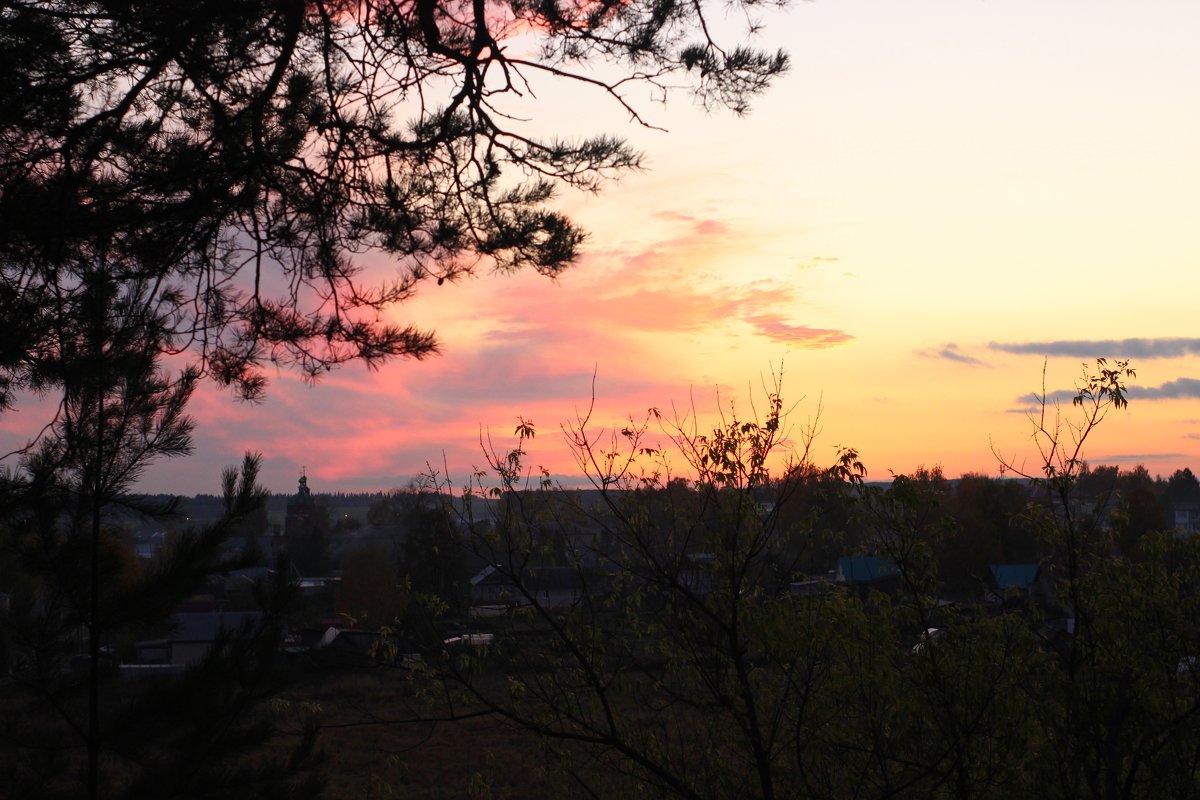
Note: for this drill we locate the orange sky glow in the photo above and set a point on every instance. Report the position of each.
(940, 198)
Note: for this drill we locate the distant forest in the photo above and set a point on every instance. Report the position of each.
(204, 508)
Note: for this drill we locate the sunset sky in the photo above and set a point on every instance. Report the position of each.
(941, 196)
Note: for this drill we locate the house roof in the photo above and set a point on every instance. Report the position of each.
(539, 578)
(484, 574)
(860, 569)
(1014, 576)
(204, 626)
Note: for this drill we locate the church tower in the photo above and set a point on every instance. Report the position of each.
(300, 508)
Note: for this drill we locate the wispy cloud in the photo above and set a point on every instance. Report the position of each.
(774, 328)
(1135, 458)
(812, 262)
(1107, 348)
(1059, 397)
(710, 226)
(1171, 390)
(661, 288)
(950, 352)
(674, 215)
(618, 328)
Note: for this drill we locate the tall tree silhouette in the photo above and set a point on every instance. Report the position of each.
(80, 595)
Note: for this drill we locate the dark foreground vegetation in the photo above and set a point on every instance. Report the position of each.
(762, 628)
(671, 635)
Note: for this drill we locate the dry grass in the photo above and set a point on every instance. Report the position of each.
(375, 747)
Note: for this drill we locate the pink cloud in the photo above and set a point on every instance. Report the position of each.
(773, 327)
(517, 345)
(710, 226)
(674, 216)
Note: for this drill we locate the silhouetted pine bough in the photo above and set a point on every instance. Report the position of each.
(233, 161)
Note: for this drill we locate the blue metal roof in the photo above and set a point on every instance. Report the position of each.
(860, 569)
(1014, 576)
